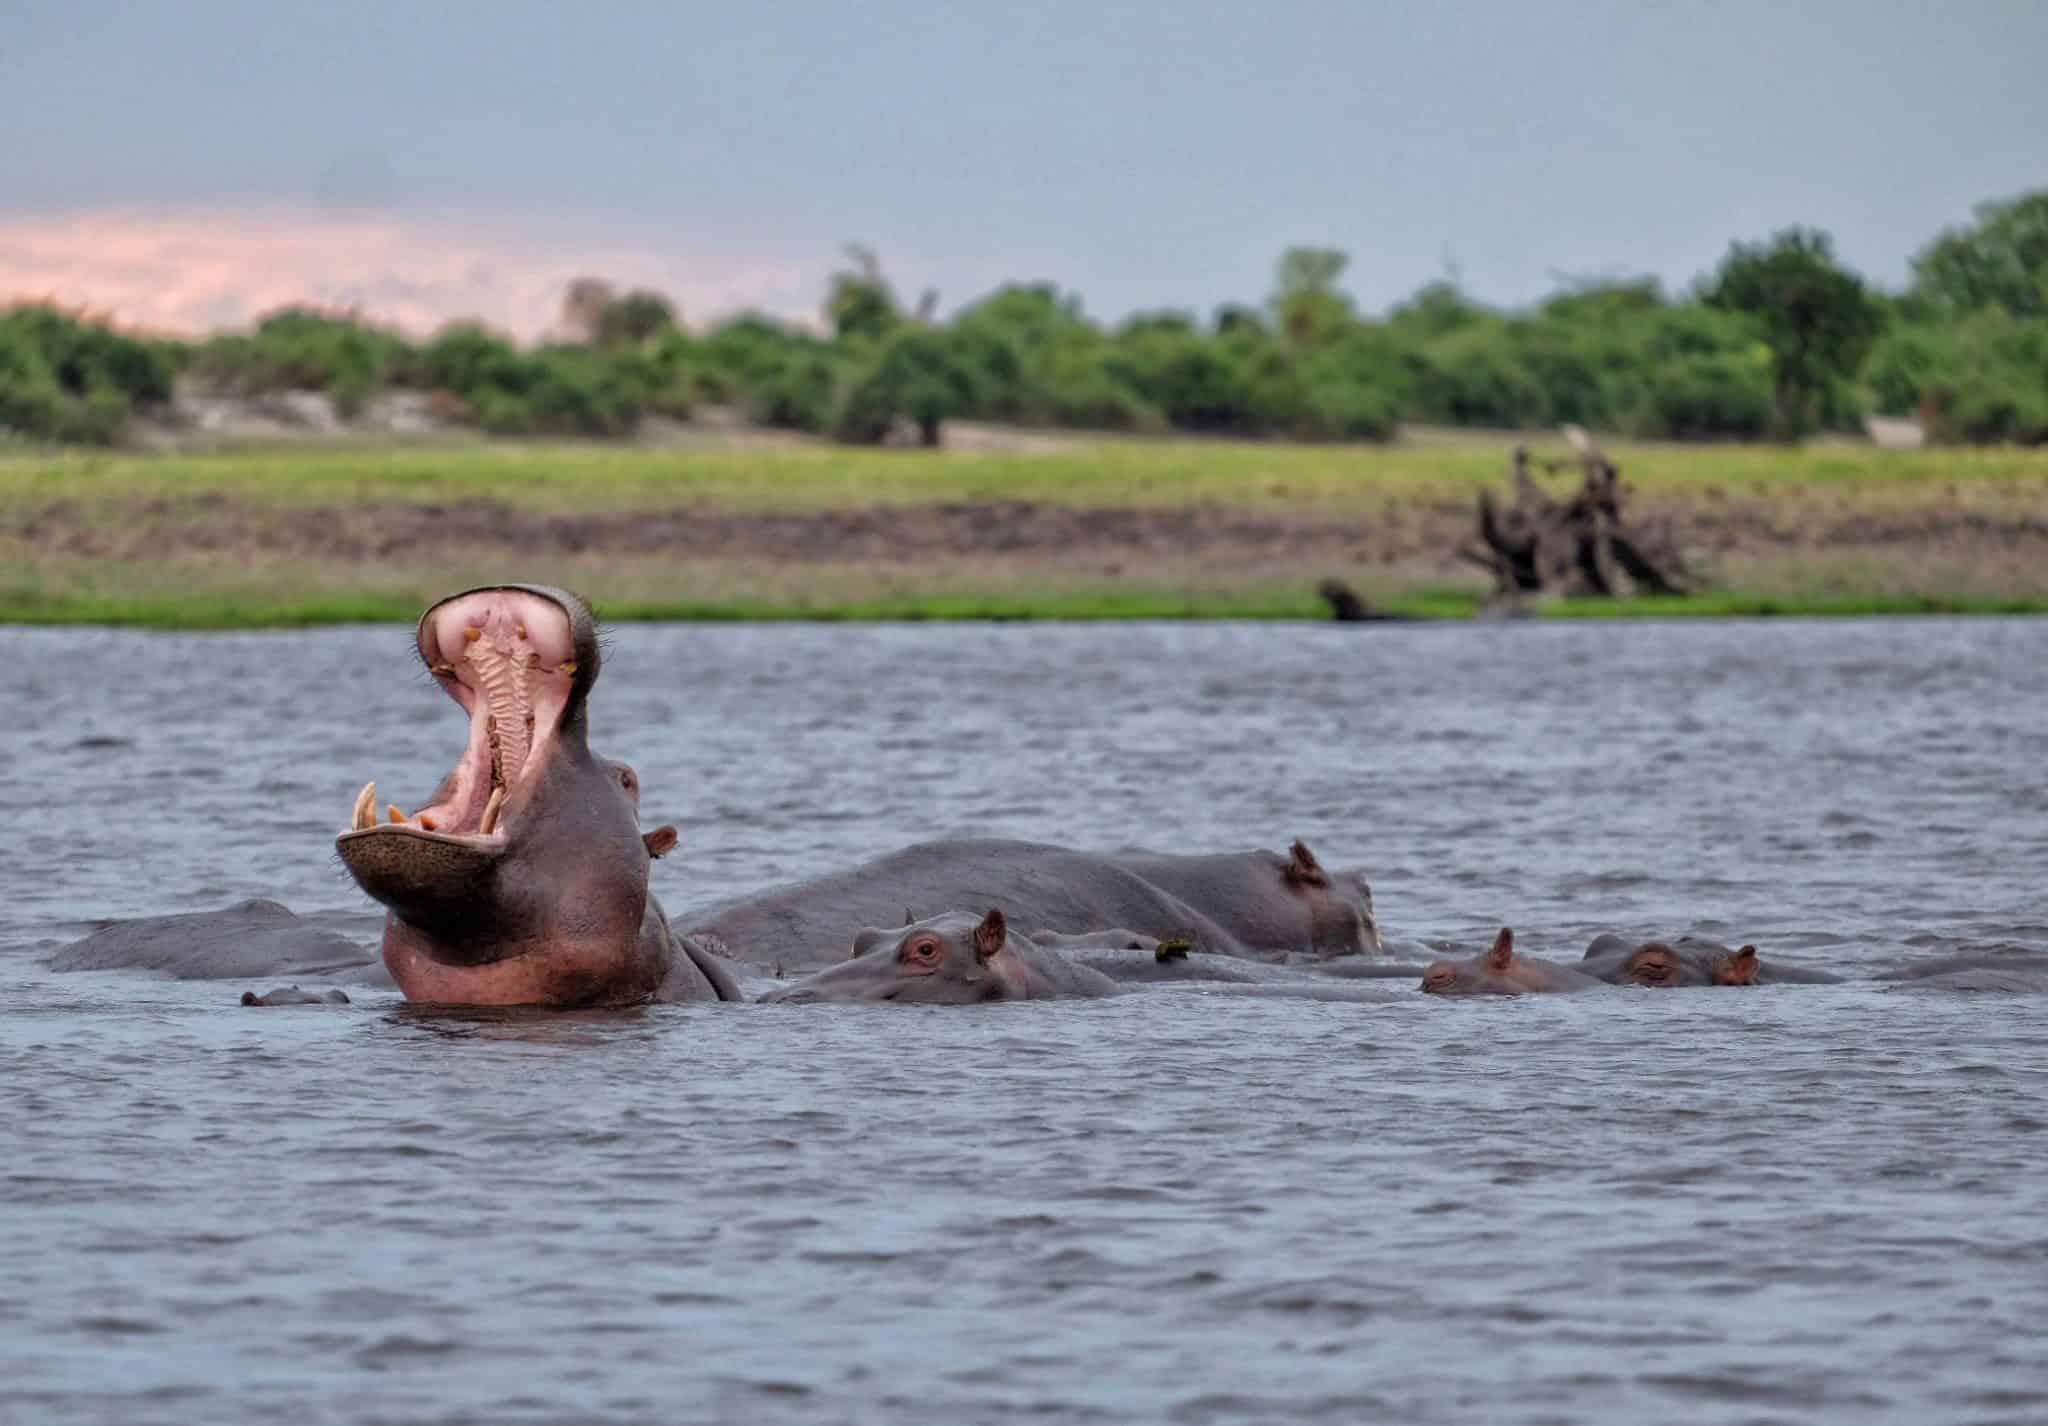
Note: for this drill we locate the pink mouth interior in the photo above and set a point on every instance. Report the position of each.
(509, 658)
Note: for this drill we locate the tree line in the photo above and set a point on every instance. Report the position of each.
(1779, 341)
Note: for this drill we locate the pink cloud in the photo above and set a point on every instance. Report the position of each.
(185, 271)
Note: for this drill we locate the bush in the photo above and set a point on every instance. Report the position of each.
(1719, 396)
(1473, 376)
(301, 349)
(911, 377)
(66, 379)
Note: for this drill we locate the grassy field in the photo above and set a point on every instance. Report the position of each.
(298, 535)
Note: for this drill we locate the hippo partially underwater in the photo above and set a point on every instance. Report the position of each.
(955, 959)
(523, 879)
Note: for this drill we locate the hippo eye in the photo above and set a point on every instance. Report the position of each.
(922, 952)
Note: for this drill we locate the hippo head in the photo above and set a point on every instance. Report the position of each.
(524, 877)
(951, 959)
(1657, 966)
(1340, 914)
(1735, 968)
(1496, 971)
(1660, 967)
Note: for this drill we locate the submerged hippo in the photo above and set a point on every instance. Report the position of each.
(1246, 904)
(2008, 973)
(949, 959)
(250, 938)
(523, 880)
(1690, 960)
(1660, 966)
(293, 995)
(956, 959)
(1499, 971)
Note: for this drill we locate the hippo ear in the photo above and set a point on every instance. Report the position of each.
(660, 842)
(1302, 867)
(1740, 968)
(1503, 950)
(990, 935)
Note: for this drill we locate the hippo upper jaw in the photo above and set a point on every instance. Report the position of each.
(520, 661)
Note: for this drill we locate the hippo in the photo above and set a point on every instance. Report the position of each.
(1499, 971)
(293, 995)
(1690, 960)
(1269, 902)
(955, 958)
(1658, 965)
(250, 938)
(523, 879)
(2008, 974)
(1255, 904)
(949, 959)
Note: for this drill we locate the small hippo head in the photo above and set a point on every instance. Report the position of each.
(1660, 967)
(1738, 968)
(1496, 971)
(951, 959)
(1341, 919)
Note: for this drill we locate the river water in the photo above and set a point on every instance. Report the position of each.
(1793, 1203)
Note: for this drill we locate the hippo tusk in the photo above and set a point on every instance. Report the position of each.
(365, 814)
(397, 817)
(491, 811)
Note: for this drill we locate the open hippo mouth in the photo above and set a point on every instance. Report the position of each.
(519, 660)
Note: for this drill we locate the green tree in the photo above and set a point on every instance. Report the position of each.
(1999, 261)
(861, 304)
(635, 319)
(912, 376)
(1815, 315)
(1308, 309)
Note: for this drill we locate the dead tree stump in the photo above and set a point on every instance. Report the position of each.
(1580, 546)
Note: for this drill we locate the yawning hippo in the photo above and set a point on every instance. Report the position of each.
(1499, 971)
(523, 880)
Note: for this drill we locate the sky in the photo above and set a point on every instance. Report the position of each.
(188, 166)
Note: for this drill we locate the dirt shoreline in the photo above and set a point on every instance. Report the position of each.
(1422, 535)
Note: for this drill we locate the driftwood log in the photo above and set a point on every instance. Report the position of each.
(1582, 545)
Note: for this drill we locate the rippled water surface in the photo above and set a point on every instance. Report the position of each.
(1788, 1203)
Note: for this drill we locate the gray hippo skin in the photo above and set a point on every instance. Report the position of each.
(254, 938)
(293, 995)
(1213, 901)
(949, 959)
(1499, 971)
(523, 881)
(1270, 902)
(1994, 974)
(1658, 965)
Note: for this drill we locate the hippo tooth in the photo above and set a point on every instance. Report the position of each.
(491, 810)
(472, 634)
(566, 666)
(442, 670)
(365, 814)
(391, 808)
